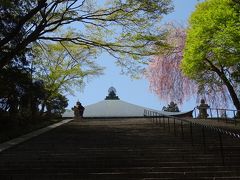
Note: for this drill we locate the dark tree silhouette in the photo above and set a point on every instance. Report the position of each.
(23, 22)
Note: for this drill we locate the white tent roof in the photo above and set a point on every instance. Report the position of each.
(115, 108)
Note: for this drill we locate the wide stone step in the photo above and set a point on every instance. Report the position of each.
(122, 175)
(136, 151)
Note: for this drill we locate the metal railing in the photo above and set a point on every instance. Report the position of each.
(226, 115)
(186, 129)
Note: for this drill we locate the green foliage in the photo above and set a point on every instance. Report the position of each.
(125, 29)
(63, 66)
(212, 49)
(214, 34)
(14, 83)
(56, 105)
(19, 95)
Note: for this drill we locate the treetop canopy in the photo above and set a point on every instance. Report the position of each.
(126, 28)
(213, 34)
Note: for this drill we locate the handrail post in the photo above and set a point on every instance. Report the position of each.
(221, 147)
(151, 115)
(217, 115)
(211, 112)
(235, 120)
(225, 115)
(174, 126)
(164, 121)
(195, 112)
(191, 133)
(168, 125)
(154, 118)
(204, 139)
(182, 129)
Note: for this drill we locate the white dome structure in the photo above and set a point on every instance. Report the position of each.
(112, 107)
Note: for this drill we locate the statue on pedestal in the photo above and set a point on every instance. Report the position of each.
(172, 107)
(203, 109)
(78, 111)
(112, 94)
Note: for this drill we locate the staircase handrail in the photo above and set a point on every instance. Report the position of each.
(211, 127)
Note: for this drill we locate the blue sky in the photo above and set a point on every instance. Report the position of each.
(132, 91)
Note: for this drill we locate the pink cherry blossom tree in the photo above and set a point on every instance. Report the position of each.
(167, 81)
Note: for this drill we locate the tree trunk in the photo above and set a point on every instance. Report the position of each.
(232, 93)
(229, 86)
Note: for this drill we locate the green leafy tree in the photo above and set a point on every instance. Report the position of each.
(19, 95)
(56, 105)
(125, 29)
(63, 67)
(212, 50)
(14, 83)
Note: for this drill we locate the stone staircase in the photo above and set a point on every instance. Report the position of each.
(122, 149)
